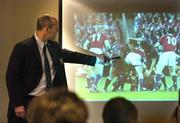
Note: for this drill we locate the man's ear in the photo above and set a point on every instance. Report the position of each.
(46, 29)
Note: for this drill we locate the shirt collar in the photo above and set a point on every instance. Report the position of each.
(40, 43)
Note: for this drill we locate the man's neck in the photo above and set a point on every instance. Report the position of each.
(41, 36)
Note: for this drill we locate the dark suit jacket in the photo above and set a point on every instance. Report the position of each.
(25, 68)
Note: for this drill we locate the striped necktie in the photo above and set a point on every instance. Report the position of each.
(49, 83)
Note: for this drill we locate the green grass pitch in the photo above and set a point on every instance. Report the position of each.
(161, 95)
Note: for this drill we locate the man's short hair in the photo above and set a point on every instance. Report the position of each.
(119, 110)
(57, 106)
(45, 20)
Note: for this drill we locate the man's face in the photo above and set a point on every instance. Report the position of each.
(52, 32)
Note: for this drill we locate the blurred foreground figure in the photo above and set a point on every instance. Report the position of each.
(176, 115)
(57, 106)
(119, 110)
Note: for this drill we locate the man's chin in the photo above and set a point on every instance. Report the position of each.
(52, 39)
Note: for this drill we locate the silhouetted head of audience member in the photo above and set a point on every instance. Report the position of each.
(176, 115)
(57, 106)
(120, 110)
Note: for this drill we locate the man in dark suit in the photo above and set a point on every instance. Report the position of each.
(27, 74)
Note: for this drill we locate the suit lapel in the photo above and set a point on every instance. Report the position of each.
(52, 53)
(36, 52)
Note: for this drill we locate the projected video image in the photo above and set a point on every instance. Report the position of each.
(145, 53)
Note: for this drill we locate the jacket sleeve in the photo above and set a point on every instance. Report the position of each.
(79, 58)
(14, 75)
(70, 56)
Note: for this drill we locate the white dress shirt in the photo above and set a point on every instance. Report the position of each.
(41, 87)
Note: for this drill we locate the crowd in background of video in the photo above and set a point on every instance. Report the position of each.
(148, 45)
